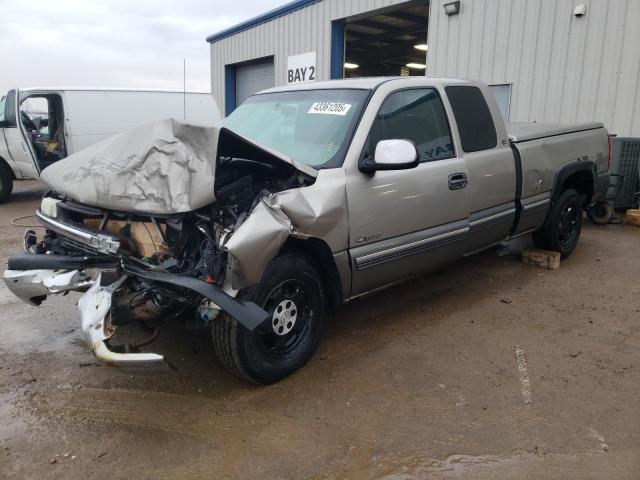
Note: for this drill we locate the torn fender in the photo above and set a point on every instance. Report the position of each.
(318, 211)
(255, 242)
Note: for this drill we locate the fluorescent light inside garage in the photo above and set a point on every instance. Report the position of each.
(423, 47)
(351, 66)
(417, 66)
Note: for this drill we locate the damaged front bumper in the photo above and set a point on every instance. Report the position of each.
(94, 307)
(60, 274)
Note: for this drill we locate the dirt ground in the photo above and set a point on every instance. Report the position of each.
(488, 370)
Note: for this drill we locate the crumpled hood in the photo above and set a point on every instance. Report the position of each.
(164, 167)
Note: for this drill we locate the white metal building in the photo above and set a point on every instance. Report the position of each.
(555, 61)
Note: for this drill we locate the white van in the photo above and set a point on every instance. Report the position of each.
(39, 126)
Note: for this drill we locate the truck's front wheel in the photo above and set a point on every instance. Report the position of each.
(291, 290)
(563, 226)
(6, 182)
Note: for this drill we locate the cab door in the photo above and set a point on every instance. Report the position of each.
(404, 222)
(17, 145)
(490, 161)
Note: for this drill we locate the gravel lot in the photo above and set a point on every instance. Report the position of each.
(488, 370)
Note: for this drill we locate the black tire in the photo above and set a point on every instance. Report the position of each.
(563, 225)
(292, 287)
(6, 182)
(600, 213)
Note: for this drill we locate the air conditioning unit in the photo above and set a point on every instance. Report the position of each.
(624, 189)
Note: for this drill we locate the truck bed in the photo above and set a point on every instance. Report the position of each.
(521, 132)
(543, 150)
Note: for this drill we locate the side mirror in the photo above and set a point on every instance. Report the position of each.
(391, 155)
(9, 117)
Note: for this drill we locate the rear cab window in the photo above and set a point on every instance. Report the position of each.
(418, 115)
(474, 119)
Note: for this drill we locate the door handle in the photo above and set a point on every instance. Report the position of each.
(457, 181)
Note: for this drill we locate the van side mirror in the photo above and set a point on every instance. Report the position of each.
(391, 155)
(9, 118)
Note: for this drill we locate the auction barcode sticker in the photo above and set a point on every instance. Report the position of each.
(330, 108)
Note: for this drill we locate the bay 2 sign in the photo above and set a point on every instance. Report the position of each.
(301, 68)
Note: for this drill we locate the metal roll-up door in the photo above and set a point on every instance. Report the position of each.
(252, 78)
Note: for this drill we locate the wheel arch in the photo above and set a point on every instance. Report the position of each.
(577, 175)
(4, 163)
(322, 256)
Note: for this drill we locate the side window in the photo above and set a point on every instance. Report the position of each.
(417, 115)
(475, 123)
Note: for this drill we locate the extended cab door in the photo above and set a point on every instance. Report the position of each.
(403, 222)
(19, 152)
(490, 163)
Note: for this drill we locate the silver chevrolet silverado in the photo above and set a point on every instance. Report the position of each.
(302, 199)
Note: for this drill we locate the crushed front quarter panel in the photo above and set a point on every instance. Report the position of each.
(318, 210)
(255, 242)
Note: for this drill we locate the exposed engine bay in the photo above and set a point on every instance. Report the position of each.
(189, 245)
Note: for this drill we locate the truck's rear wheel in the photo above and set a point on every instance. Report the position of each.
(291, 290)
(6, 182)
(563, 226)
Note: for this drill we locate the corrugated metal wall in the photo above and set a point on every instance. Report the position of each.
(563, 68)
(305, 30)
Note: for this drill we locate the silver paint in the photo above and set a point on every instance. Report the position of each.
(318, 210)
(28, 284)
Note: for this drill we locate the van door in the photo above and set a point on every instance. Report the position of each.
(17, 145)
(43, 125)
(404, 222)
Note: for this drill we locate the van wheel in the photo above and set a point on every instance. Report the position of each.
(6, 182)
(563, 226)
(291, 290)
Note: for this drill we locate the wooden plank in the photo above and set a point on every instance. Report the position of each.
(541, 258)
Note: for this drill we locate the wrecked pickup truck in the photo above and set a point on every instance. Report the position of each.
(303, 198)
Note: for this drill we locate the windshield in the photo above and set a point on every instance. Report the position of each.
(2, 101)
(309, 126)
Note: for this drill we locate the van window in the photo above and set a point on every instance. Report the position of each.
(35, 115)
(475, 123)
(417, 115)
